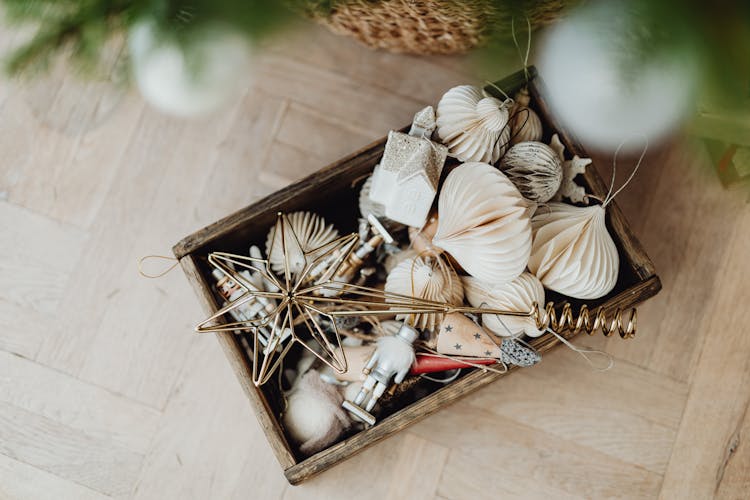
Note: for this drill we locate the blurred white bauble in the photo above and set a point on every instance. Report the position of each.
(194, 78)
(598, 86)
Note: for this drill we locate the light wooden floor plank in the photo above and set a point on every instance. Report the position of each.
(20, 481)
(71, 454)
(608, 412)
(209, 444)
(33, 276)
(490, 453)
(68, 401)
(710, 436)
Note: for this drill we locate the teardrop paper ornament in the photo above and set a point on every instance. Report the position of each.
(473, 126)
(304, 232)
(518, 295)
(484, 223)
(525, 124)
(534, 168)
(424, 278)
(573, 253)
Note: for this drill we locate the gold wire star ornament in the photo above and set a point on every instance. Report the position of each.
(283, 306)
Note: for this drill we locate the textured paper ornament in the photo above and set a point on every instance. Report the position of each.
(460, 336)
(425, 278)
(484, 223)
(525, 123)
(573, 253)
(313, 416)
(518, 295)
(534, 168)
(304, 233)
(473, 126)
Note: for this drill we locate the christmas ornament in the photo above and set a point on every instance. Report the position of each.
(572, 252)
(519, 294)
(305, 231)
(570, 169)
(599, 85)
(473, 125)
(425, 278)
(313, 416)
(391, 360)
(525, 124)
(484, 223)
(406, 180)
(460, 336)
(190, 78)
(534, 168)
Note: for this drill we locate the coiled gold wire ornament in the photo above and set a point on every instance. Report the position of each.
(547, 318)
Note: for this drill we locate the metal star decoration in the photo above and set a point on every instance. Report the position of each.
(291, 306)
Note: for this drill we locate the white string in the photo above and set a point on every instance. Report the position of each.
(583, 352)
(518, 47)
(610, 196)
(445, 380)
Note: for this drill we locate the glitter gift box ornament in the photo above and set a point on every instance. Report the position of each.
(406, 180)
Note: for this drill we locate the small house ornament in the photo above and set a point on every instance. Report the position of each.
(406, 180)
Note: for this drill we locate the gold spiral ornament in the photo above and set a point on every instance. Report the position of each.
(548, 318)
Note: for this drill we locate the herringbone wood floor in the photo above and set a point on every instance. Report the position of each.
(104, 391)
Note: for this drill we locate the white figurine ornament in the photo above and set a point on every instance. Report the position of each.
(473, 125)
(390, 362)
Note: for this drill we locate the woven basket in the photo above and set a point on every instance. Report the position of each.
(427, 26)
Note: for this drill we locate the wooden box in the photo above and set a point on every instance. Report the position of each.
(329, 192)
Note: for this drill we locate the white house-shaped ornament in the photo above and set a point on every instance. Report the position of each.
(406, 180)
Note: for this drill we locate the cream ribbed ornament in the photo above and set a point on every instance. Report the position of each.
(425, 278)
(484, 223)
(573, 253)
(518, 295)
(473, 126)
(535, 169)
(304, 232)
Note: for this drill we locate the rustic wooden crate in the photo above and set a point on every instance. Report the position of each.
(329, 192)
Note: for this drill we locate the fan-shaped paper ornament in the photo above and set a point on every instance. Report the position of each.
(473, 126)
(525, 124)
(573, 253)
(518, 295)
(484, 223)
(534, 168)
(304, 232)
(425, 278)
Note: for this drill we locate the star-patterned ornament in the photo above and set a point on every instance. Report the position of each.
(459, 335)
